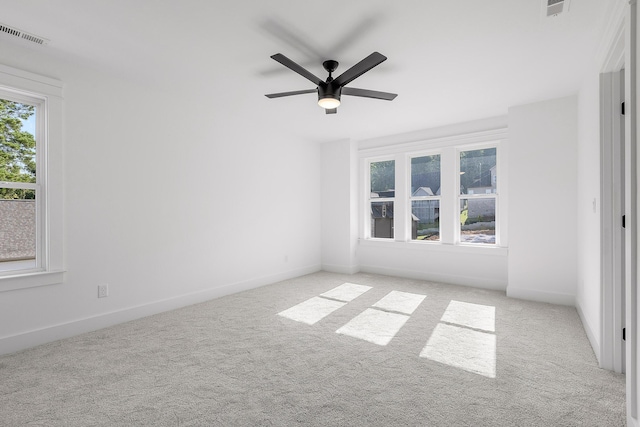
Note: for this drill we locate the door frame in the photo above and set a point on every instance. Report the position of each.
(612, 236)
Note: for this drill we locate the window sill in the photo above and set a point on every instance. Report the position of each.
(30, 280)
(489, 250)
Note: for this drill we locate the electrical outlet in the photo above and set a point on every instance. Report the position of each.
(103, 291)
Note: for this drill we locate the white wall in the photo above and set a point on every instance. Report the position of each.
(168, 200)
(477, 267)
(590, 286)
(588, 295)
(543, 187)
(339, 206)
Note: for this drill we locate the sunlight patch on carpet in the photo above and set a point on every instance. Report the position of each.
(375, 326)
(312, 310)
(474, 316)
(346, 292)
(462, 348)
(402, 302)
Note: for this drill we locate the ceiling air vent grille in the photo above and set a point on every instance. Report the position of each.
(5, 29)
(556, 7)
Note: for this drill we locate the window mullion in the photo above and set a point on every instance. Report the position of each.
(448, 207)
(401, 224)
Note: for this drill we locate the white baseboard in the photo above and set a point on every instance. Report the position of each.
(440, 278)
(343, 269)
(13, 343)
(541, 296)
(595, 344)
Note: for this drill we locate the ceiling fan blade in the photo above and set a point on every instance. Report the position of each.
(295, 92)
(297, 68)
(360, 68)
(365, 93)
(356, 33)
(294, 37)
(331, 111)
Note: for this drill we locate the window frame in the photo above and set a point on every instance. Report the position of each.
(367, 225)
(448, 147)
(46, 94)
(494, 196)
(40, 104)
(411, 198)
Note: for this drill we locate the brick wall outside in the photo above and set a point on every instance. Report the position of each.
(17, 229)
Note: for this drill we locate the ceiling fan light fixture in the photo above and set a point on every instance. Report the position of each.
(329, 91)
(329, 103)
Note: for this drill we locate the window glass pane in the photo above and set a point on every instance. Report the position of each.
(382, 220)
(425, 176)
(17, 142)
(17, 226)
(383, 178)
(478, 220)
(478, 171)
(425, 220)
(17, 206)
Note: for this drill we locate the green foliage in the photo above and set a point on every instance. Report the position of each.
(425, 172)
(425, 164)
(464, 215)
(383, 176)
(17, 149)
(476, 167)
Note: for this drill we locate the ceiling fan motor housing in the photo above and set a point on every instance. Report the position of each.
(329, 90)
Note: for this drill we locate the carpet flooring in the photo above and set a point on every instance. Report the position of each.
(424, 354)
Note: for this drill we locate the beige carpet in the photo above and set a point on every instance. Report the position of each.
(408, 353)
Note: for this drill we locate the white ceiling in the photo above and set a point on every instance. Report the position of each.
(449, 60)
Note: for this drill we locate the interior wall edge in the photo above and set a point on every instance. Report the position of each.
(593, 338)
(24, 340)
(343, 269)
(541, 296)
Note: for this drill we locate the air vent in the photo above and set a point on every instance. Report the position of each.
(5, 29)
(556, 7)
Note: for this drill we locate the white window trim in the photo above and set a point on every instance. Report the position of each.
(49, 178)
(446, 147)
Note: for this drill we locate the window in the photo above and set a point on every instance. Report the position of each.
(437, 192)
(30, 180)
(381, 198)
(478, 195)
(19, 189)
(425, 198)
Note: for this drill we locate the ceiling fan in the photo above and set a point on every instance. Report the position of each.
(329, 91)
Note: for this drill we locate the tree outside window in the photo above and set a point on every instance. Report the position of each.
(17, 181)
